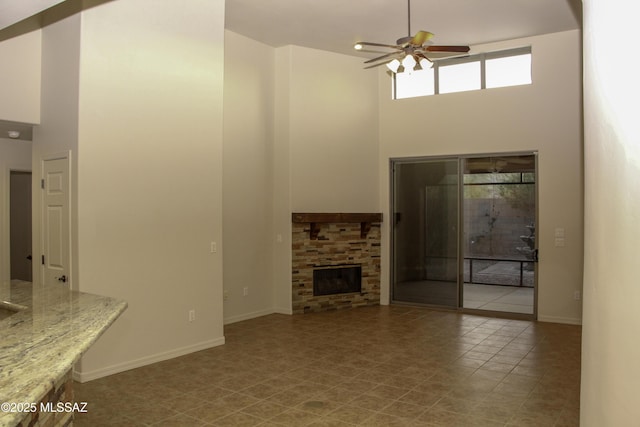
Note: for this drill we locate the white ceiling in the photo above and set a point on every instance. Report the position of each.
(12, 11)
(335, 25)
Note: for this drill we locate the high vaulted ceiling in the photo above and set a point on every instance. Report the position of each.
(12, 11)
(335, 25)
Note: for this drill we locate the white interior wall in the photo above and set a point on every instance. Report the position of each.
(326, 144)
(248, 177)
(281, 247)
(544, 117)
(150, 176)
(57, 133)
(333, 129)
(610, 348)
(20, 88)
(21, 76)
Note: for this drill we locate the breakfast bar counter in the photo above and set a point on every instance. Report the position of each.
(43, 333)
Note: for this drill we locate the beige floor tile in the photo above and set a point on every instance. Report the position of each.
(339, 394)
(531, 420)
(402, 409)
(238, 419)
(374, 366)
(499, 367)
(487, 374)
(442, 388)
(210, 411)
(179, 420)
(494, 410)
(351, 414)
(388, 392)
(319, 407)
(458, 406)
(209, 393)
(386, 420)
(294, 417)
(468, 362)
(264, 409)
(373, 403)
(479, 354)
(437, 416)
(473, 392)
(329, 422)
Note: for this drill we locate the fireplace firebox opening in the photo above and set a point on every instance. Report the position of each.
(337, 279)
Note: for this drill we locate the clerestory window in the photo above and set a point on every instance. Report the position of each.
(482, 71)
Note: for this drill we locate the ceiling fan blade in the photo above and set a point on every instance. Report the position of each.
(362, 44)
(435, 56)
(421, 37)
(423, 56)
(388, 55)
(457, 49)
(404, 41)
(376, 65)
(385, 59)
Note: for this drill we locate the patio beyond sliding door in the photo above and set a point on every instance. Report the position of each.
(425, 232)
(499, 233)
(464, 232)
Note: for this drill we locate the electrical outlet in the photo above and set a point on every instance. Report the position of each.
(576, 295)
(225, 295)
(214, 247)
(245, 291)
(192, 315)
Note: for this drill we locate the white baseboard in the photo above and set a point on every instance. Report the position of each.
(148, 360)
(254, 314)
(564, 320)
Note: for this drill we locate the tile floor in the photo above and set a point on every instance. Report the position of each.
(374, 366)
(510, 299)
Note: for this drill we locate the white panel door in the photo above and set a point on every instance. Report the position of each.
(55, 222)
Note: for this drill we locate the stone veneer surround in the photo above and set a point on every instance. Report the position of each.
(61, 393)
(336, 243)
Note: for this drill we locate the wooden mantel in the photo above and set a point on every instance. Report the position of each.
(315, 219)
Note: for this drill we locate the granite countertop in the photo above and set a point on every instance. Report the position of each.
(45, 337)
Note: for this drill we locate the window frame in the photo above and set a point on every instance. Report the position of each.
(479, 57)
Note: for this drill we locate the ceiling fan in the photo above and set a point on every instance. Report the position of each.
(409, 51)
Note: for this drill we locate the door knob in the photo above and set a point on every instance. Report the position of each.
(62, 278)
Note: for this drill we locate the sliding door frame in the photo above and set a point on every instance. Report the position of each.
(392, 235)
(460, 231)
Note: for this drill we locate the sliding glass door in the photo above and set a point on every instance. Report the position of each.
(463, 232)
(425, 232)
(499, 238)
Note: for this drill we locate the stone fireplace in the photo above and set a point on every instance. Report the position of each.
(335, 261)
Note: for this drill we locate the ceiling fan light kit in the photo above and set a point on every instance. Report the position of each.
(411, 52)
